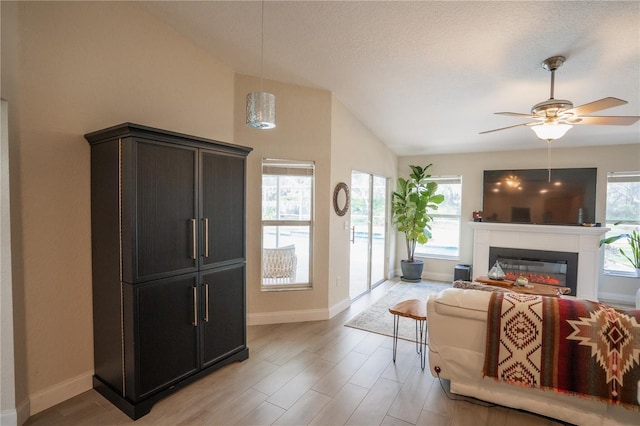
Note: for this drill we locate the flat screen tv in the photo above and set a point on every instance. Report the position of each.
(529, 196)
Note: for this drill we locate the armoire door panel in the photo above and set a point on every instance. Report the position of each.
(166, 332)
(223, 209)
(166, 210)
(224, 332)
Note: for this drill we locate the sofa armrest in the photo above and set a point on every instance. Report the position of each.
(471, 304)
(456, 323)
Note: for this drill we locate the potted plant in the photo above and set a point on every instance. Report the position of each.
(634, 242)
(411, 203)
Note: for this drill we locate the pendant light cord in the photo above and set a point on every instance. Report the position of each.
(261, 42)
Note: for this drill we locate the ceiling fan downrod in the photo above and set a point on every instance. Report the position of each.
(552, 108)
(552, 64)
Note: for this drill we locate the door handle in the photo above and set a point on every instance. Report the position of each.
(206, 237)
(353, 234)
(195, 306)
(206, 302)
(193, 235)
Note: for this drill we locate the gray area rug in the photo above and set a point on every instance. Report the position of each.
(377, 319)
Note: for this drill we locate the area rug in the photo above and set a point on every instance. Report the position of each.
(377, 319)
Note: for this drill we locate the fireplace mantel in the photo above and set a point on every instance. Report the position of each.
(583, 240)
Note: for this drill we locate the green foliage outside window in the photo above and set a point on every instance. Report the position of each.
(623, 217)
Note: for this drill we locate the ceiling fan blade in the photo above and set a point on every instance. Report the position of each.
(594, 106)
(611, 120)
(516, 114)
(509, 127)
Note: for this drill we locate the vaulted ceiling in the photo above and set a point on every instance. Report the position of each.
(425, 76)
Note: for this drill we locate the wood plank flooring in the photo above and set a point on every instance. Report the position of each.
(312, 373)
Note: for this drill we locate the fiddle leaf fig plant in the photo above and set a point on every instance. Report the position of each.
(411, 203)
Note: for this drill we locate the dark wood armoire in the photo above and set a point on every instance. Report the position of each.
(168, 254)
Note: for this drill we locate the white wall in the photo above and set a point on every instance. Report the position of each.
(471, 166)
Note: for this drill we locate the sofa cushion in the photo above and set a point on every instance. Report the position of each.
(463, 303)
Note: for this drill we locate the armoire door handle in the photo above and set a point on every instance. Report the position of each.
(206, 302)
(195, 306)
(206, 237)
(353, 235)
(193, 237)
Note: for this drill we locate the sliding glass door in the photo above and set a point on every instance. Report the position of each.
(368, 232)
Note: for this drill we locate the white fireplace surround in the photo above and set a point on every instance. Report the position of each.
(574, 239)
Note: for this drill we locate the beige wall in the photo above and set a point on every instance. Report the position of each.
(82, 67)
(312, 125)
(353, 147)
(471, 166)
(303, 120)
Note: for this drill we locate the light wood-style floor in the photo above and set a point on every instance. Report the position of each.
(317, 373)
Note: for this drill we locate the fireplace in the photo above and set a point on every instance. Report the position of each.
(538, 266)
(547, 238)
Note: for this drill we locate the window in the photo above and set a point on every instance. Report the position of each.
(623, 216)
(445, 227)
(287, 219)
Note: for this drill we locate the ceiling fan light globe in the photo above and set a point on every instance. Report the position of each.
(549, 132)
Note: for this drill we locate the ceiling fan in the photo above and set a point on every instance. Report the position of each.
(554, 117)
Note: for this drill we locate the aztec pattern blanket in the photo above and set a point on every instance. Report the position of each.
(566, 345)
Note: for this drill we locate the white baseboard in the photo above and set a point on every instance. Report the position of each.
(617, 298)
(62, 391)
(339, 307)
(434, 276)
(287, 316)
(9, 417)
(23, 412)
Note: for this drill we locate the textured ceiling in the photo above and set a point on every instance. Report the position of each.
(426, 77)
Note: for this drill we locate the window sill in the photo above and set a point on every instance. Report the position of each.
(272, 287)
(438, 257)
(619, 274)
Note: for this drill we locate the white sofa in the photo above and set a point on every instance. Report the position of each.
(457, 329)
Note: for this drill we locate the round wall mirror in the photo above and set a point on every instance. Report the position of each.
(341, 199)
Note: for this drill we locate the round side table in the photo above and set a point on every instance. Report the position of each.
(415, 309)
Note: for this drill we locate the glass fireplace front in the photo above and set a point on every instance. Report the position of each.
(538, 266)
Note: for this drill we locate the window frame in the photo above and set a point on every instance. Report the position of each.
(289, 167)
(617, 177)
(450, 179)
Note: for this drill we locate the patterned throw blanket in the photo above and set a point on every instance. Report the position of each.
(567, 345)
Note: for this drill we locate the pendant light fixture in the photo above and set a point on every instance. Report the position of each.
(261, 106)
